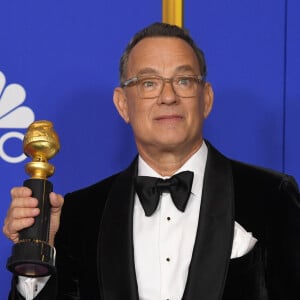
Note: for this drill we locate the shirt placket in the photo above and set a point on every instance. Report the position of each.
(167, 246)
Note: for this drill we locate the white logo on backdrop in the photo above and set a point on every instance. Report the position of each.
(13, 115)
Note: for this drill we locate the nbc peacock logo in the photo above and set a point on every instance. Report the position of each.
(14, 116)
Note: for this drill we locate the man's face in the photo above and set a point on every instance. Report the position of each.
(167, 123)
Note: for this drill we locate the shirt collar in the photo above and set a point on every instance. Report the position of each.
(196, 164)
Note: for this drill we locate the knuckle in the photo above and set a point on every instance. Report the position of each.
(15, 191)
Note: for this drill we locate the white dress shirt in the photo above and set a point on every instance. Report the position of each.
(164, 242)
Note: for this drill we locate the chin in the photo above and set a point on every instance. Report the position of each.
(171, 144)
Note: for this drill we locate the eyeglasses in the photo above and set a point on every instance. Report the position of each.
(148, 87)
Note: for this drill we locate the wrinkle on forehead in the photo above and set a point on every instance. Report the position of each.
(184, 69)
(163, 56)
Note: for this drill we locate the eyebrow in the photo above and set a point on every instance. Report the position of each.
(148, 71)
(184, 68)
(151, 71)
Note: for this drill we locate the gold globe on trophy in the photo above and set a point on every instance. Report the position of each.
(33, 256)
(40, 143)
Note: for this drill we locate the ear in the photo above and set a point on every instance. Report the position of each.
(208, 99)
(120, 102)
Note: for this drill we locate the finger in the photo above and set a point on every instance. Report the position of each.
(19, 192)
(18, 219)
(56, 201)
(11, 228)
(22, 212)
(14, 238)
(22, 202)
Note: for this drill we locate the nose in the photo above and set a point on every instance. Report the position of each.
(167, 95)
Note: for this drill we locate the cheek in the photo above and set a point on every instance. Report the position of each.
(138, 114)
(200, 108)
(197, 110)
(196, 117)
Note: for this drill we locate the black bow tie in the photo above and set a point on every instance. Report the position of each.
(149, 190)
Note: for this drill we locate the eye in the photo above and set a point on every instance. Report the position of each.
(149, 83)
(184, 81)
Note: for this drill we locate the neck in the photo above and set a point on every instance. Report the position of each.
(166, 163)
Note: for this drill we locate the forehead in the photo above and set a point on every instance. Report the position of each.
(162, 55)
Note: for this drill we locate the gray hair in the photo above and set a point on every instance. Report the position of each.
(161, 30)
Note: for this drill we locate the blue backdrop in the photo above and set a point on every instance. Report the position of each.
(59, 62)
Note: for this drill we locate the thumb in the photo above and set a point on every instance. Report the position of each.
(56, 201)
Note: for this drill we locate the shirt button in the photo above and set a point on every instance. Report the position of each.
(168, 259)
(168, 218)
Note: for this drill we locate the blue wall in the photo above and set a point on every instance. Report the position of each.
(64, 54)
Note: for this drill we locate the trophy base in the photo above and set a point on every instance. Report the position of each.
(32, 259)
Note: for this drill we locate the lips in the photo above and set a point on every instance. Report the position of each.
(168, 118)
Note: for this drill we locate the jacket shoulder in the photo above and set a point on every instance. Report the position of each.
(102, 186)
(261, 176)
(250, 174)
(88, 201)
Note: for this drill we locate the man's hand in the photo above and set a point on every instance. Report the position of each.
(24, 208)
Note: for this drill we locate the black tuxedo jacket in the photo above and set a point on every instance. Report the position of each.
(94, 244)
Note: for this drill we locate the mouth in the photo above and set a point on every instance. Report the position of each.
(171, 121)
(169, 118)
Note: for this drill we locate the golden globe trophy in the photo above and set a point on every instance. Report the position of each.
(33, 256)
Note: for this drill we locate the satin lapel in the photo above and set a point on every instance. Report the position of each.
(115, 248)
(214, 238)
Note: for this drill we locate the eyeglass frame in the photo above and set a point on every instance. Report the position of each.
(133, 81)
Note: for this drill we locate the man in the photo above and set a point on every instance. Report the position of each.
(237, 237)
